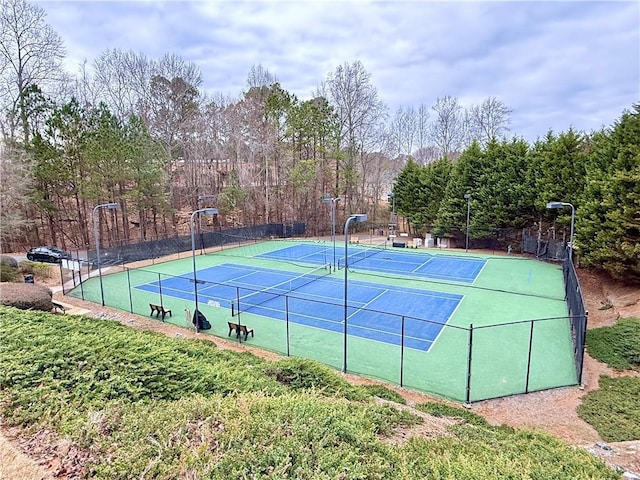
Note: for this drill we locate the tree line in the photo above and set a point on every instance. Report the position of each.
(509, 184)
(142, 132)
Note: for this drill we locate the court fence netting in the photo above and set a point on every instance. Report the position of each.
(172, 248)
(467, 364)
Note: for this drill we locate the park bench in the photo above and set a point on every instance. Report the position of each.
(158, 310)
(354, 240)
(240, 330)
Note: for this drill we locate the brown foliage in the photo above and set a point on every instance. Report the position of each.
(26, 296)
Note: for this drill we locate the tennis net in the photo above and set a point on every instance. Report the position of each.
(357, 254)
(260, 297)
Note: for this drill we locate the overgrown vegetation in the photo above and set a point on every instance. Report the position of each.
(157, 407)
(303, 374)
(618, 346)
(12, 271)
(384, 393)
(614, 409)
(442, 410)
(39, 269)
(8, 271)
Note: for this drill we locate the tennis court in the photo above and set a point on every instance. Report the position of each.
(262, 291)
(467, 327)
(459, 269)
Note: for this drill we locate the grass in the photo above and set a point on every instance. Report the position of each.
(618, 346)
(149, 406)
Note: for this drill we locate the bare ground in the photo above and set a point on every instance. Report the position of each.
(44, 456)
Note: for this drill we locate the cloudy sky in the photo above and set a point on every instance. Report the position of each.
(556, 64)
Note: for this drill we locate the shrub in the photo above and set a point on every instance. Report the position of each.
(26, 296)
(148, 406)
(9, 261)
(38, 269)
(614, 410)
(8, 273)
(442, 410)
(618, 346)
(383, 392)
(303, 374)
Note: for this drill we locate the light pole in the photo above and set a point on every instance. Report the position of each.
(393, 223)
(202, 198)
(332, 200)
(467, 197)
(358, 218)
(206, 211)
(557, 205)
(96, 235)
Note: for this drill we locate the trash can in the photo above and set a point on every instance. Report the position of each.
(28, 278)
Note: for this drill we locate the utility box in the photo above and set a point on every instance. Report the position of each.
(443, 242)
(429, 242)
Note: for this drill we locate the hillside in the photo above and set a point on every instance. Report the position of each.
(552, 412)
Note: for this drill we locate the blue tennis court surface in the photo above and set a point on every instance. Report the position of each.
(441, 267)
(316, 299)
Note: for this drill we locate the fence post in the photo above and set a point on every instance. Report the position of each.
(468, 396)
(62, 278)
(80, 272)
(526, 385)
(286, 316)
(402, 352)
(238, 302)
(129, 287)
(584, 342)
(160, 288)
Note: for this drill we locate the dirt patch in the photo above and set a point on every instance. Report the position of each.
(551, 411)
(15, 464)
(607, 300)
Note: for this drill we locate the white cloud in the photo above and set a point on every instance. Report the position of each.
(556, 64)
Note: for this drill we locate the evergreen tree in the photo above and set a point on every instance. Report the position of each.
(467, 176)
(608, 224)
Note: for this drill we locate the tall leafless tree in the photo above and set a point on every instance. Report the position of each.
(422, 132)
(260, 77)
(488, 120)
(14, 195)
(359, 112)
(404, 130)
(448, 126)
(123, 80)
(30, 56)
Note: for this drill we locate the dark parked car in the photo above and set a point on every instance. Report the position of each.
(47, 254)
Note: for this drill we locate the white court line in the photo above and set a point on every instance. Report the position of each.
(370, 301)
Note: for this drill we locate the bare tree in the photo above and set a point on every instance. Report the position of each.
(422, 132)
(404, 130)
(122, 81)
(488, 120)
(359, 111)
(14, 194)
(30, 56)
(85, 87)
(447, 128)
(260, 77)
